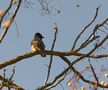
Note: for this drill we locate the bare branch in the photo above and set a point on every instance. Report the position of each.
(79, 74)
(44, 6)
(53, 81)
(87, 41)
(6, 12)
(56, 53)
(51, 57)
(57, 82)
(94, 74)
(8, 83)
(97, 9)
(17, 59)
(5, 31)
(13, 72)
(28, 3)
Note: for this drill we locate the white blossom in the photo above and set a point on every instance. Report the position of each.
(1, 13)
(106, 74)
(105, 84)
(69, 83)
(7, 24)
(83, 88)
(102, 82)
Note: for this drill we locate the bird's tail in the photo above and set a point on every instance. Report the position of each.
(43, 54)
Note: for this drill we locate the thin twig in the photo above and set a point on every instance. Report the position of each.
(53, 81)
(51, 57)
(13, 72)
(10, 84)
(16, 28)
(105, 27)
(97, 9)
(57, 82)
(44, 6)
(94, 74)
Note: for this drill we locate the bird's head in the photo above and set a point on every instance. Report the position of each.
(38, 35)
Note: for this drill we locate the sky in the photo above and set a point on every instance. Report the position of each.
(31, 73)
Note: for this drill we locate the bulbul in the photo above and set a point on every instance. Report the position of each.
(38, 45)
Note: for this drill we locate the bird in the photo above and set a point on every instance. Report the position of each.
(37, 45)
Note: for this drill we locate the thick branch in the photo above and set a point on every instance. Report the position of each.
(56, 53)
(16, 59)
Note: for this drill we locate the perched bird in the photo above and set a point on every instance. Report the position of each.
(38, 45)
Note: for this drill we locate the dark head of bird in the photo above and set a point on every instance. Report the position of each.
(38, 35)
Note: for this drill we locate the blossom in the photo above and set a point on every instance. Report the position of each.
(83, 88)
(7, 24)
(1, 13)
(106, 75)
(69, 83)
(104, 83)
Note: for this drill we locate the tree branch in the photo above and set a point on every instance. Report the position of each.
(15, 13)
(97, 9)
(11, 84)
(79, 74)
(51, 57)
(56, 53)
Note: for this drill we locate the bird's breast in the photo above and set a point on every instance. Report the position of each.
(33, 48)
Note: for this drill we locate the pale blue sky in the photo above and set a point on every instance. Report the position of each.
(31, 73)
